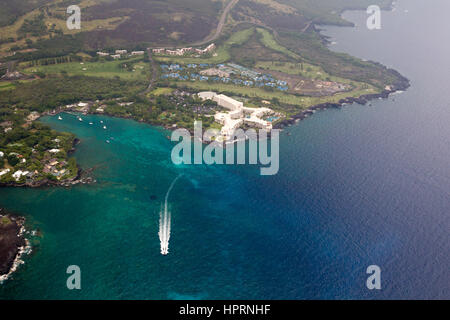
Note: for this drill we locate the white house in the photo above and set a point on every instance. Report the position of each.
(19, 173)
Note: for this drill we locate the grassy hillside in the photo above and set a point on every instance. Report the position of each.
(115, 23)
(106, 23)
(10, 10)
(171, 21)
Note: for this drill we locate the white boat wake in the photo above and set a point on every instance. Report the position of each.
(164, 221)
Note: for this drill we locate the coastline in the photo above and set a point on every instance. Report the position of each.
(362, 100)
(82, 177)
(402, 85)
(13, 244)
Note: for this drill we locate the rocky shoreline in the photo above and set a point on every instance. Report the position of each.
(401, 84)
(13, 244)
(83, 177)
(364, 99)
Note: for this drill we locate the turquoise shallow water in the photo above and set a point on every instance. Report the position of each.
(357, 186)
(113, 224)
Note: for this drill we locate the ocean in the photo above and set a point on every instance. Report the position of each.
(357, 186)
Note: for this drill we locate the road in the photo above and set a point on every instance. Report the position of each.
(154, 70)
(221, 24)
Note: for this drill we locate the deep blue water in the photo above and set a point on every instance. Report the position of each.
(358, 186)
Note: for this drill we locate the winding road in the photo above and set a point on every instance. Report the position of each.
(220, 26)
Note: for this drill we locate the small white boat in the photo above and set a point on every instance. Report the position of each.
(104, 127)
(91, 123)
(79, 119)
(59, 118)
(101, 121)
(107, 141)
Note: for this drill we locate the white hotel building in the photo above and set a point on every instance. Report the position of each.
(237, 115)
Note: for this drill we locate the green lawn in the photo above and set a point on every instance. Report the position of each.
(269, 41)
(308, 71)
(161, 91)
(239, 90)
(299, 101)
(304, 69)
(104, 69)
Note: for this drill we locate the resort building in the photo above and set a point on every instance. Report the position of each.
(254, 117)
(227, 102)
(206, 95)
(215, 72)
(221, 99)
(238, 114)
(102, 54)
(176, 52)
(116, 56)
(137, 53)
(183, 51)
(121, 52)
(209, 48)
